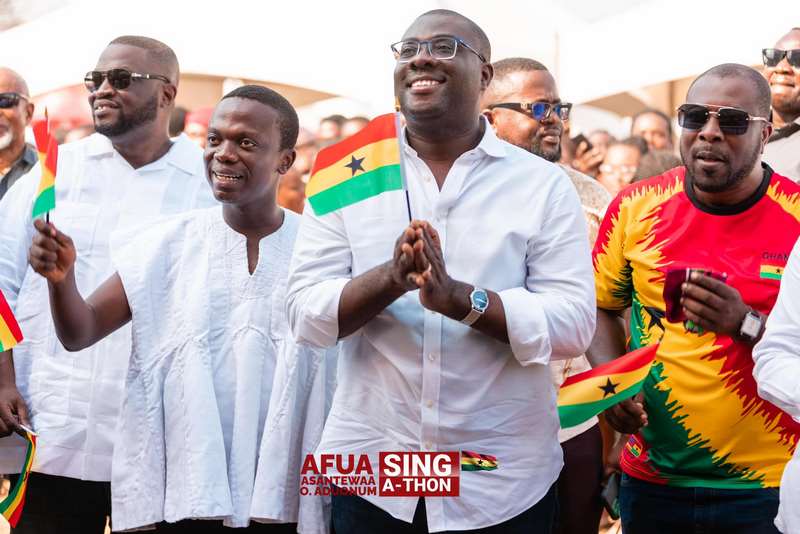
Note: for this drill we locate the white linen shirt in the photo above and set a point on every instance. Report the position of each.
(220, 405)
(777, 373)
(74, 398)
(413, 380)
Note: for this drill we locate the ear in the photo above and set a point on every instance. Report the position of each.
(29, 113)
(489, 114)
(487, 73)
(287, 160)
(168, 94)
(766, 132)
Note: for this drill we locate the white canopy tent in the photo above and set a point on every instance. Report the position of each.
(595, 49)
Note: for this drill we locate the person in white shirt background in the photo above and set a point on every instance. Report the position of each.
(129, 173)
(506, 286)
(777, 373)
(205, 293)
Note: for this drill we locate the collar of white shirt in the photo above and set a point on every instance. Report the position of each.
(182, 154)
(490, 144)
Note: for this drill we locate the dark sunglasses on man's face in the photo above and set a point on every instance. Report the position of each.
(118, 78)
(537, 110)
(731, 121)
(9, 100)
(773, 56)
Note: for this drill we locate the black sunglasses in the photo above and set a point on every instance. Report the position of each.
(773, 56)
(9, 100)
(731, 121)
(117, 78)
(538, 110)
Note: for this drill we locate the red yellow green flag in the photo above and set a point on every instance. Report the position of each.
(10, 334)
(11, 507)
(586, 394)
(362, 166)
(472, 461)
(47, 147)
(774, 272)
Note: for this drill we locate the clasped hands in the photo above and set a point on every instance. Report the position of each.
(418, 263)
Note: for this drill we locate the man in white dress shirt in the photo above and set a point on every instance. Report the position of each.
(506, 286)
(777, 372)
(129, 173)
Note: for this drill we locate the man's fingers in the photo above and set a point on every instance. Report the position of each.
(22, 412)
(700, 321)
(703, 295)
(699, 308)
(63, 239)
(421, 262)
(7, 420)
(43, 254)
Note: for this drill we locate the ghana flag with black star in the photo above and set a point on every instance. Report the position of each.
(362, 166)
(586, 394)
(472, 461)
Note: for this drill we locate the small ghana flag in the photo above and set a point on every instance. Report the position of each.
(362, 166)
(472, 461)
(10, 334)
(774, 272)
(586, 394)
(47, 147)
(11, 507)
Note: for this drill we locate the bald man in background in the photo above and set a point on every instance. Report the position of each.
(16, 110)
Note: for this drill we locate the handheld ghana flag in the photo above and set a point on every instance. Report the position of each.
(10, 334)
(362, 166)
(586, 394)
(472, 461)
(47, 148)
(11, 507)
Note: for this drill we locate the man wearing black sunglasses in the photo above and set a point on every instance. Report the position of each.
(523, 106)
(782, 70)
(16, 110)
(127, 175)
(697, 255)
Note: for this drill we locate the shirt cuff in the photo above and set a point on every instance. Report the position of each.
(318, 321)
(526, 323)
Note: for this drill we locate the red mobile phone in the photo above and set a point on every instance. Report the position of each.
(673, 292)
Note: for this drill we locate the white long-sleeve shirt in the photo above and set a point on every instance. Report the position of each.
(777, 372)
(413, 380)
(74, 397)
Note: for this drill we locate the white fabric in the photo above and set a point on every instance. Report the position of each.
(783, 155)
(777, 372)
(413, 380)
(74, 397)
(203, 422)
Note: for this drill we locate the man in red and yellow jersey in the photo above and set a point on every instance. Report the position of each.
(706, 452)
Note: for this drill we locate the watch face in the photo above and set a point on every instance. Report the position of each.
(480, 299)
(751, 325)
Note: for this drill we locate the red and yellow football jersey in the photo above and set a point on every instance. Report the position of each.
(707, 425)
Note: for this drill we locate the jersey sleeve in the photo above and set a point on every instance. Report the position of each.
(612, 270)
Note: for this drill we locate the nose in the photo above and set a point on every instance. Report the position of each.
(710, 131)
(104, 90)
(224, 152)
(784, 67)
(424, 56)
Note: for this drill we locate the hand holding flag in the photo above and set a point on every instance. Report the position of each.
(586, 394)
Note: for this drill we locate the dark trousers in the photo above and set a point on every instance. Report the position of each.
(579, 485)
(647, 508)
(64, 506)
(201, 526)
(354, 515)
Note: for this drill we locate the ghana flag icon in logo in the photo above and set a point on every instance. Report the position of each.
(362, 166)
(773, 272)
(586, 394)
(472, 461)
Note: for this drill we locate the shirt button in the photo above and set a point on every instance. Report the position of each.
(429, 403)
(431, 357)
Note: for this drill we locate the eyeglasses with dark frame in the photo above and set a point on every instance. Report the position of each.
(732, 121)
(772, 56)
(538, 110)
(443, 47)
(119, 79)
(9, 100)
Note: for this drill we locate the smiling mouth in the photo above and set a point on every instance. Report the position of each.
(229, 178)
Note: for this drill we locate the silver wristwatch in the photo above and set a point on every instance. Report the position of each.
(479, 301)
(751, 326)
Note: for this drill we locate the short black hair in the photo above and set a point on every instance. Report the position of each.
(335, 118)
(510, 65)
(633, 141)
(751, 75)
(483, 45)
(659, 113)
(288, 124)
(161, 53)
